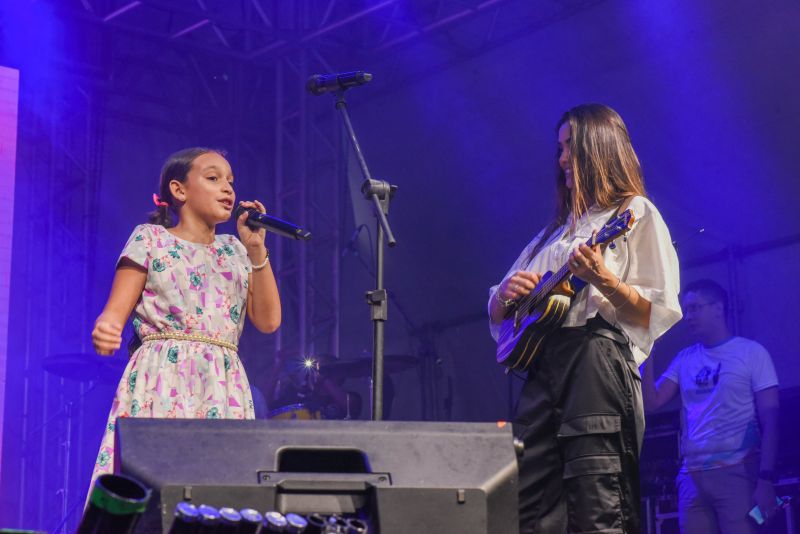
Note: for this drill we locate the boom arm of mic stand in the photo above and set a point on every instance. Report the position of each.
(370, 187)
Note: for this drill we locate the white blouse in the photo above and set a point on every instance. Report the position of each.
(646, 261)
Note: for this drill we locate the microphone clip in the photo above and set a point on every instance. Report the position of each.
(379, 188)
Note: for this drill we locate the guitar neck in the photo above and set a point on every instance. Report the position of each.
(543, 290)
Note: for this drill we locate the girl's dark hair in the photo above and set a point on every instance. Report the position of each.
(177, 167)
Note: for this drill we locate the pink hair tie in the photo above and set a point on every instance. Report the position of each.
(158, 202)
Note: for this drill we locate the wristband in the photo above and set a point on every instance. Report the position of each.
(260, 265)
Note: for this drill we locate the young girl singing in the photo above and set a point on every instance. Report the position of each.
(188, 289)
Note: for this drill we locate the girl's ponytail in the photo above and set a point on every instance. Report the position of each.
(162, 215)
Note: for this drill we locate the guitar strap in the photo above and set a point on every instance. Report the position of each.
(548, 233)
(622, 207)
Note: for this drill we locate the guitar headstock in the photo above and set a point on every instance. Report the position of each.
(621, 225)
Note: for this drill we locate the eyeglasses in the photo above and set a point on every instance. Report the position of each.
(694, 308)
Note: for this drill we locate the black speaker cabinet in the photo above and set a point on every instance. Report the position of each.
(406, 477)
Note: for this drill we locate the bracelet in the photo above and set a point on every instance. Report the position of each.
(260, 265)
(616, 287)
(503, 302)
(624, 302)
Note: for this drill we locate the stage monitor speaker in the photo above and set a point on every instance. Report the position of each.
(405, 477)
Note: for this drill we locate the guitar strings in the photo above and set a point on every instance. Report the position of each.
(530, 301)
(533, 299)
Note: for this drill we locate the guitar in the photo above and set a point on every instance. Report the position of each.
(536, 315)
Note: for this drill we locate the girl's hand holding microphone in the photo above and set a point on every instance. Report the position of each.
(106, 337)
(250, 238)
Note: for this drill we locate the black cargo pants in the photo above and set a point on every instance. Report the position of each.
(581, 419)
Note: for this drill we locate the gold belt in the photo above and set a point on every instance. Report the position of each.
(190, 337)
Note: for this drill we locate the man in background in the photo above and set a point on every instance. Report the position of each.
(729, 418)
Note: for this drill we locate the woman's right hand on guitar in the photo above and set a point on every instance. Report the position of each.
(518, 285)
(106, 337)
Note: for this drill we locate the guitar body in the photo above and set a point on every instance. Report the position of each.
(522, 335)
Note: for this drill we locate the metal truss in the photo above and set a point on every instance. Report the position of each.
(61, 144)
(252, 29)
(260, 32)
(308, 189)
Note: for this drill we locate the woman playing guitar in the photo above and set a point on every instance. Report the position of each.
(580, 411)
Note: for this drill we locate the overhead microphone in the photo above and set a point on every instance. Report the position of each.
(256, 219)
(324, 83)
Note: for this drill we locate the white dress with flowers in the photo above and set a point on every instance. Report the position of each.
(191, 288)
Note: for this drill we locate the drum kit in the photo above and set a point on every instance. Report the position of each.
(362, 367)
(312, 387)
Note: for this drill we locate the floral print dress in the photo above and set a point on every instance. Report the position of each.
(191, 288)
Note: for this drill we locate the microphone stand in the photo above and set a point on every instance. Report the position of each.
(380, 194)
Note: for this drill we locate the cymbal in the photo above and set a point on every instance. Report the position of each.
(392, 363)
(85, 367)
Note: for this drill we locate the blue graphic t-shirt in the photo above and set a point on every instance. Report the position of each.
(719, 426)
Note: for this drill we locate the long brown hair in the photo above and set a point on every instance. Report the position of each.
(605, 168)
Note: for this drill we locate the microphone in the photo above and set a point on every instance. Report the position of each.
(323, 83)
(256, 220)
